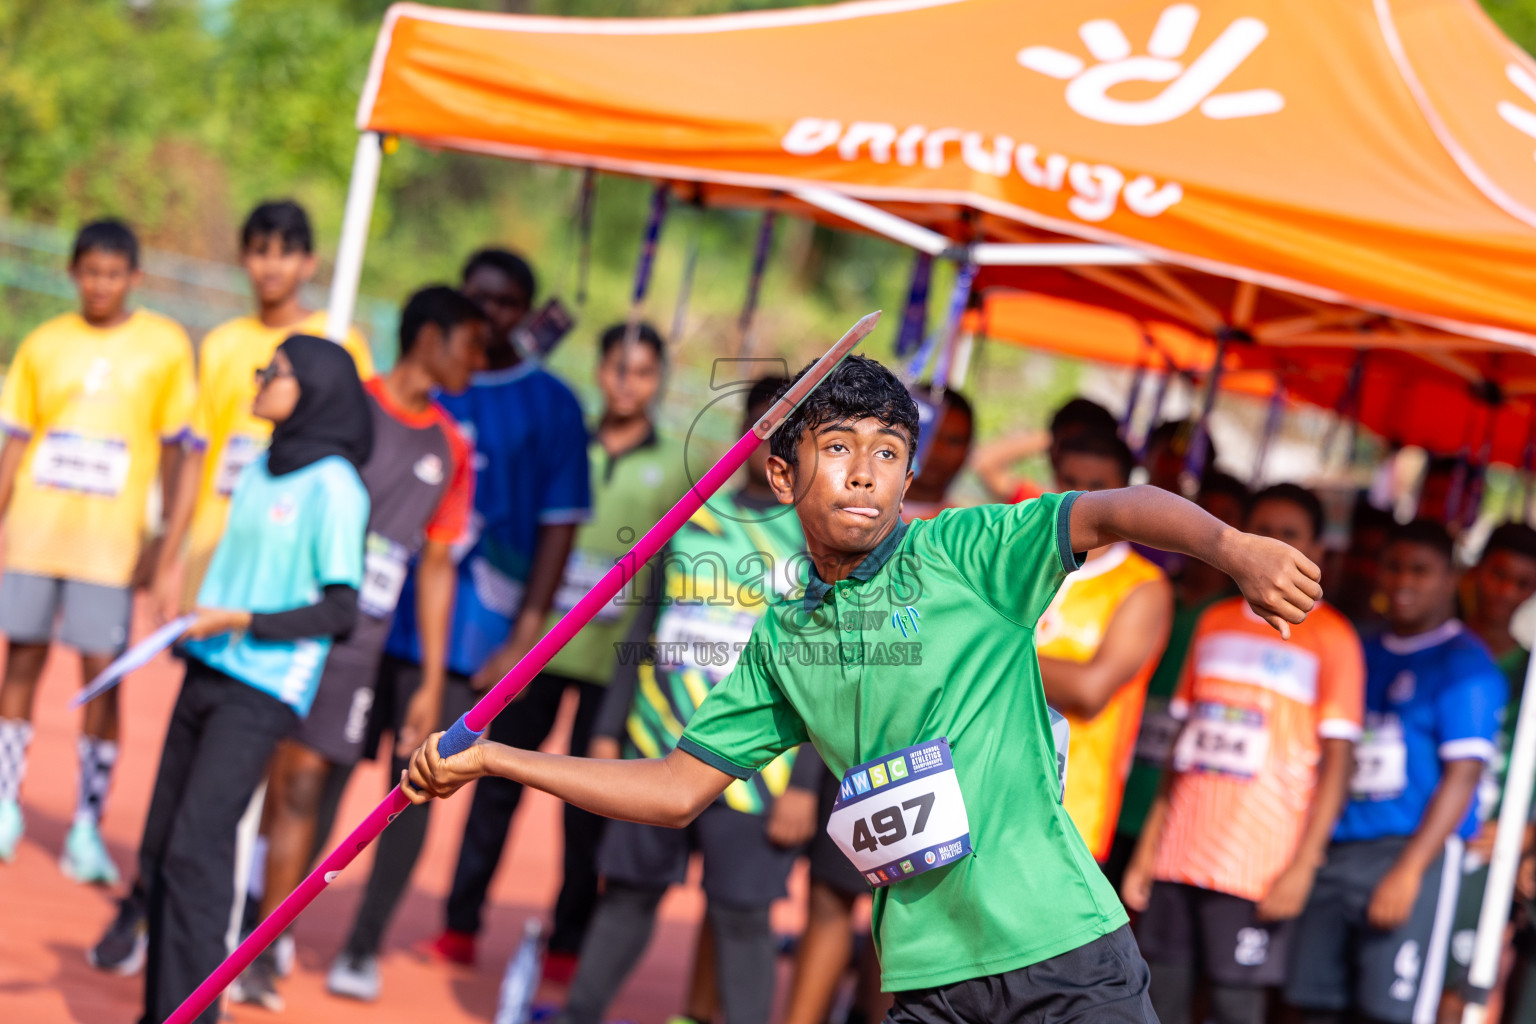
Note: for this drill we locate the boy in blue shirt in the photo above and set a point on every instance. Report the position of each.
(1372, 942)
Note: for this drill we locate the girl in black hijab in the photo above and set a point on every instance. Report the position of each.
(283, 582)
(331, 415)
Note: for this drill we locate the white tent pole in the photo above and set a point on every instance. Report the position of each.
(874, 219)
(1055, 254)
(354, 234)
(1497, 896)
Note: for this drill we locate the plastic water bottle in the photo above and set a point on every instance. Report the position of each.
(521, 979)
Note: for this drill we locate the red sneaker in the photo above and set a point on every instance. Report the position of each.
(559, 968)
(451, 946)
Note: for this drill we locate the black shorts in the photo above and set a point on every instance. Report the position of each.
(398, 681)
(829, 865)
(741, 867)
(1341, 963)
(338, 721)
(1217, 932)
(1102, 982)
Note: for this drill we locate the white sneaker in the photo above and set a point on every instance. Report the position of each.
(11, 828)
(85, 858)
(355, 977)
(284, 953)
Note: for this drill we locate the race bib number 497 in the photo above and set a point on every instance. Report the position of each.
(902, 814)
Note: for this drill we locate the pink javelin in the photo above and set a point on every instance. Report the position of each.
(469, 728)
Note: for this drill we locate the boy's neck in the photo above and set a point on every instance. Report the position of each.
(1426, 625)
(621, 434)
(282, 314)
(114, 319)
(1494, 634)
(409, 386)
(502, 357)
(833, 565)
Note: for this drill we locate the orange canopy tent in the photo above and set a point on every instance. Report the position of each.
(1463, 397)
(1364, 154)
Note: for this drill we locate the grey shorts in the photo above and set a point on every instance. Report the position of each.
(1341, 963)
(91, 618)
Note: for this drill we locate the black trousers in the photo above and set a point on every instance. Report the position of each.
(527, 724)
(221, 736)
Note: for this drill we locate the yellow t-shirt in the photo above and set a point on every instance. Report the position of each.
(1099, 749)
(226, 385)
(95, 406)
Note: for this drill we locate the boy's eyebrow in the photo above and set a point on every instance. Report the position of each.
(844, 425)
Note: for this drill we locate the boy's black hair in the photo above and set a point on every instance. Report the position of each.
(283, 219)
(106, 235)
(1516, 538)
(1365, 516)
(435, 304)
(1089, 416)
(1425, 533)
(645, 335)
(1300, 497)
(1177, 434)
(952, 400)
(1216, 482)
(859, 388)
(1103, 446)
(764, 391)
(509, 263)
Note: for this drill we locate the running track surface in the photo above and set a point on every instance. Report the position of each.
(48, 922)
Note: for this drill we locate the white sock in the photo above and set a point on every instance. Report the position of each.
(97, 757)
(15, 737)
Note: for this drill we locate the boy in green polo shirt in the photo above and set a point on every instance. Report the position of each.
(909, 663)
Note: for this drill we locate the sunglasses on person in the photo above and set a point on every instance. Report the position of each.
(267, 374)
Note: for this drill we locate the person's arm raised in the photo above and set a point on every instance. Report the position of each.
(668, 791)
(1279, 582)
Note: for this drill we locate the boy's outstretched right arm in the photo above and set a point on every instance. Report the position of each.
(668, 791)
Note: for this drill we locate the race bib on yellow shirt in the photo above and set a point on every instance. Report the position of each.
(699, 636)
(583, 571)
(239, 451)
(385, 565)
(85, 465)
(1381, 760)
(902, 814)
(1223, 740)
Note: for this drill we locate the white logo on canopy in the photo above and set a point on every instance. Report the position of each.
(1191, 84)
(1519, 117)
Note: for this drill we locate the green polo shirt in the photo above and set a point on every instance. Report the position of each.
(837, 668)
(631, 491)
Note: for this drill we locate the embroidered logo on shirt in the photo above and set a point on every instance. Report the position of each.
(429, 470)
(901, 623)
(283, 510)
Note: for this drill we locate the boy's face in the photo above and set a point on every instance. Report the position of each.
(277, 273)
(1419, 584)
(1080, 471)
(501, 298)
(629, 385)
(1504, 581)
(1287, 521)
(848, 485)
(103, 280)
(454, 358)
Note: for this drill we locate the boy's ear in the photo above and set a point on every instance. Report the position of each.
(781, 477)
(135, 278)
(307, 268)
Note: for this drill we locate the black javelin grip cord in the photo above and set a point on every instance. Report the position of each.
(469, 728)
